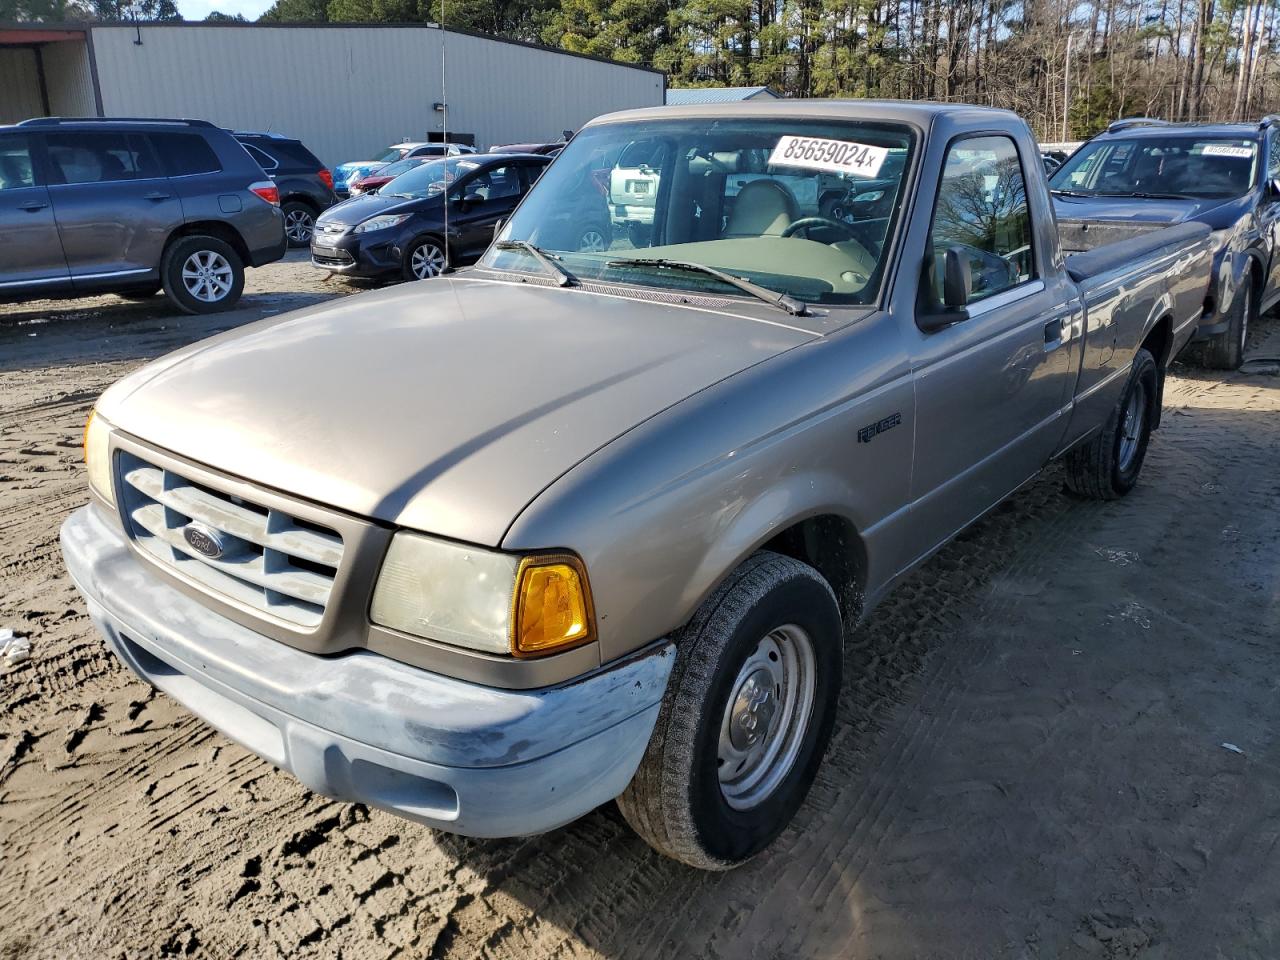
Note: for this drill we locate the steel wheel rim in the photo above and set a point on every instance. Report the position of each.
(299, 225)
(1135, 413)
(593, 241)
(426, 261)
(207, 276)
(766, 719)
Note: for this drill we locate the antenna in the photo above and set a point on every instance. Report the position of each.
(444, 122)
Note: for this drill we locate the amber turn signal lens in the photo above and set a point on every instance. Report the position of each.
(552, 607)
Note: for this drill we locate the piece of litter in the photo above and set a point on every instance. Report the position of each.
(1233, 748)
(5, 635)
(14, 649)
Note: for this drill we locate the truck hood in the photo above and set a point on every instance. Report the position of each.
(445, 405)
(1133, 209)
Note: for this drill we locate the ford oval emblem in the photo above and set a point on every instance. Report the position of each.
(203, 540)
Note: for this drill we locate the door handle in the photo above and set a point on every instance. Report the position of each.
(33, 205)
(156, 196)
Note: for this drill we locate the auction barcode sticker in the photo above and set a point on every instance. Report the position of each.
(1227, 150)
(831, 156)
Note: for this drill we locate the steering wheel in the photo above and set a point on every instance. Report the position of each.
(807, 223)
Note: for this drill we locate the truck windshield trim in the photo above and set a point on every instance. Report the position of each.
(808, 210)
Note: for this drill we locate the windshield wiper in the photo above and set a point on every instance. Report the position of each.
(1140, 195)
(797, 308)
(1067, 193)
(547, 260)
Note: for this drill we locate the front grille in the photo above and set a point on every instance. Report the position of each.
(269, 560)
(331, 258)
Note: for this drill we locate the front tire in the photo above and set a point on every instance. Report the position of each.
(202, 274)
(1107, 467)
(746, 718)
(299, 223)
(425, 258)
(1226, 350)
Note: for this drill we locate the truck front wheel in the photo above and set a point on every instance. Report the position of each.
(1107, 467)
(746, 718)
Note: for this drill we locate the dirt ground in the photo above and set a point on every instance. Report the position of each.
(1031, 759)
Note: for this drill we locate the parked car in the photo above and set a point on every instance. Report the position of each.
(305, 185)
(542, 149)
(1143, 174)
(633, 188)
(344, 173)
(577, 525)
(90, 206)
(379, 178)
(401, 231)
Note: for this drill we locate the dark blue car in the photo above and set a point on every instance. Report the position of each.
(1142, 174)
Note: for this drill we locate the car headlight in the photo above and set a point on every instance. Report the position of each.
(382, 222)
(482, 599)
(97, 456)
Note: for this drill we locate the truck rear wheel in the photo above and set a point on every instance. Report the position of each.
(1107, 467)
(746, 718)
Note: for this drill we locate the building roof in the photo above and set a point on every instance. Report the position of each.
(686, 95)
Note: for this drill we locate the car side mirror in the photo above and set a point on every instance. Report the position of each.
(957, 280)
(957, 287)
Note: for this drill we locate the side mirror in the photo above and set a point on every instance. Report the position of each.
(957, 281)
(957, 287)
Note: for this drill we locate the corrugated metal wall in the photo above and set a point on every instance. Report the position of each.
(20, 83)
(66, 71)
(349, 91)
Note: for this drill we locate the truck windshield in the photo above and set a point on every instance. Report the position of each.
(1173, 166)
(802, 208)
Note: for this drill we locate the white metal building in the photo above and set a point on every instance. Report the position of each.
(346, 90)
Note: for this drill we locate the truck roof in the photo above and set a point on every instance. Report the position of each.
(1157, 130)
(916, 112)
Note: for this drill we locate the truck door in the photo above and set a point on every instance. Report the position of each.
(992, 389)
(114, 206)
(30, 251)
(481, 201)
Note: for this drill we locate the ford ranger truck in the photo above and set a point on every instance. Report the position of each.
(490, 550)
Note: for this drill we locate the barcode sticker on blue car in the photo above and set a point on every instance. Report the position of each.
(1227, 150)
(830, 156)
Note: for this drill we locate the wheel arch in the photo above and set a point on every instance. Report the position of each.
(212, 228)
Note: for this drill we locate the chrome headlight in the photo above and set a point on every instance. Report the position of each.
(97, 456)
(382, 223)
(483, 600)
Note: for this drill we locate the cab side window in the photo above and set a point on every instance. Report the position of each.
(16, 169)
(982, 209)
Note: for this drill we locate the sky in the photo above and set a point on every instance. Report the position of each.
(199, 9)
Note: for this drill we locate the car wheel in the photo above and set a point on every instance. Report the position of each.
(746, 718)
(1226, 350)
(1107, 466)
(202, 274)
(299, 223)
(594, 240)
(638, 234)
(425, 259)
